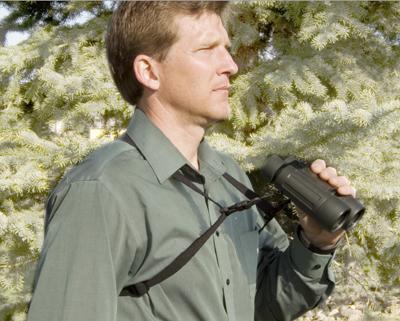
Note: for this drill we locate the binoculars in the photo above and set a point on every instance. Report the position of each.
(313, 196)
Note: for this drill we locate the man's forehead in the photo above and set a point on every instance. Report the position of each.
(206, 27)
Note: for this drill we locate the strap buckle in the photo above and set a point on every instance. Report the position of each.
(241, 206)
(135, 290)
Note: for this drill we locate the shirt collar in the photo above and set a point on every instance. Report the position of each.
(163, 157)
(211, 164)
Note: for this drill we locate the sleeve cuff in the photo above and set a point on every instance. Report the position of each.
(306, 262)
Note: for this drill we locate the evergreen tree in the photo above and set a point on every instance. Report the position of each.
(317, 80)
(322, 80)
(54, 88)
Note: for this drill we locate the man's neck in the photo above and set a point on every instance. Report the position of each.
(185, 136)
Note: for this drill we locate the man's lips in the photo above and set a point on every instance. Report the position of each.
(222, 88)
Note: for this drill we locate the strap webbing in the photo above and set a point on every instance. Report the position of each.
(189, 183)
(140, 288)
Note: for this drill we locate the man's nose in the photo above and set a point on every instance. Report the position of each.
(227, 64)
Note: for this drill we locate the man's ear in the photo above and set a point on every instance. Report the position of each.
(145, 69)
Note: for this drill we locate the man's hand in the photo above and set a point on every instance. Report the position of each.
(314, 233)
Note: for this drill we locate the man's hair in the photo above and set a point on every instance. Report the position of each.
(146, 27)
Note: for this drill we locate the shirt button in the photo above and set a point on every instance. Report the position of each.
(316, 267)
(217, 233)
(228, 281)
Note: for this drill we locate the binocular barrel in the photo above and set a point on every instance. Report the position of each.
(312, 195)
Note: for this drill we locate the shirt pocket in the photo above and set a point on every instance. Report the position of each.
(249, 249)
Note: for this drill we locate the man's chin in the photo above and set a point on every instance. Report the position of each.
(219, 114)
(224, 113)
(218, 119)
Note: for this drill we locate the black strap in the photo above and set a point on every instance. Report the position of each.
(268, 209)
(140, 288)
(185, 180)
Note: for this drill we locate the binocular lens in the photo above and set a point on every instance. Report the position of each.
(340, 221)
(353, 220)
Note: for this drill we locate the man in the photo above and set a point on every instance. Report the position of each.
(121, 216)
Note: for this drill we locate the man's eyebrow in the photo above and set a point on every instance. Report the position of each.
(213, 43)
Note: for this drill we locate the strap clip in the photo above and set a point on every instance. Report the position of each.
(135, 290)
(241, 206)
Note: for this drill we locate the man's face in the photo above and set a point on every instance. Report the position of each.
(194, 76)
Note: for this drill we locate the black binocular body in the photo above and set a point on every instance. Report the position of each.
(313, 196)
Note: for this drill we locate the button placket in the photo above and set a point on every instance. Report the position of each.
(224, 264)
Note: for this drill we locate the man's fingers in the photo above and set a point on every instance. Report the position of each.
(338, 181)
(318, 166)
(328, 173)
(347, 190)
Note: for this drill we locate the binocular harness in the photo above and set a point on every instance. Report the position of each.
(293, 179)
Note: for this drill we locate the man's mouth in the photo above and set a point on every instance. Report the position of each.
(222, 88)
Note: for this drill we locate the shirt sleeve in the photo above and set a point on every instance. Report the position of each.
(290, 278)
(85, 258)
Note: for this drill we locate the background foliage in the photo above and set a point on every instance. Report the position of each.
(317, 80)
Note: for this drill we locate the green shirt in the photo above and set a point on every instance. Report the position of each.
(119, 218)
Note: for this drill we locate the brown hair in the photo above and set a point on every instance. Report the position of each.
(145, 27)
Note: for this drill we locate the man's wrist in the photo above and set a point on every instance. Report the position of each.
(329, 249)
